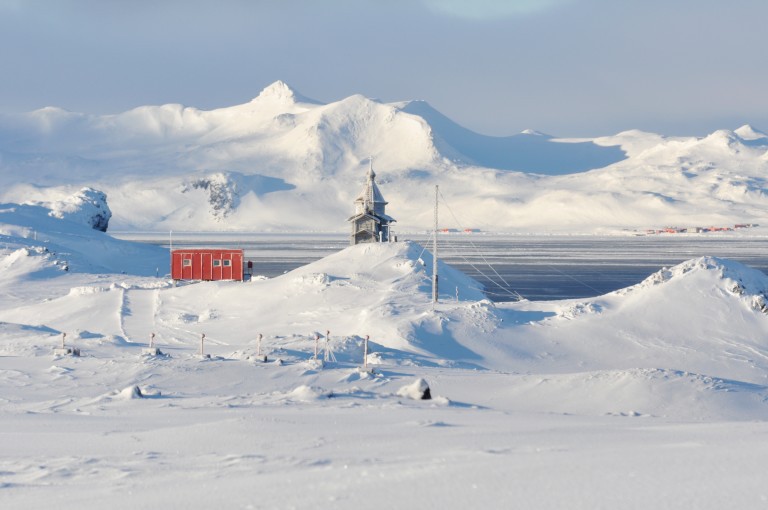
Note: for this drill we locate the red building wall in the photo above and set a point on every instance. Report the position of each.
(207, 264)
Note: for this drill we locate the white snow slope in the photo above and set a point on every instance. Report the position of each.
(654, 396)
(286, 163)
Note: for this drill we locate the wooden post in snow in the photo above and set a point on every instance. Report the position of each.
(63, 338)
(202, 344)
(365, 353)
(152, 341)
(317, 339)
(258, 346)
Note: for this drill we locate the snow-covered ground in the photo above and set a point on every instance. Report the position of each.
(653, 396)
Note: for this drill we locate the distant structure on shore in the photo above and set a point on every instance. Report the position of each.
(371, 224)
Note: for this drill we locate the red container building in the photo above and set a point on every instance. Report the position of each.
(194, 264)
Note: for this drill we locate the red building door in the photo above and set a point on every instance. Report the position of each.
(206, 261)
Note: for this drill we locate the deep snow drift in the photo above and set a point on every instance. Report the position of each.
(574, 403)
(282, 162)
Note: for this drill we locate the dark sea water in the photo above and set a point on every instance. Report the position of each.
(558, 267)
(537, 267)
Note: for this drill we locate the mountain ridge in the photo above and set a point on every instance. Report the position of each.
(308, 159)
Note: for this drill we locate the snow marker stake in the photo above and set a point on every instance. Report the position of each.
(151, 350)
(202, 345)
(328, 354)
(258, 349)
(64, 350)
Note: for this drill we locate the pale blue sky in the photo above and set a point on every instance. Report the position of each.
(565, 67)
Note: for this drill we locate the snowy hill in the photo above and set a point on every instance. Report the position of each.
(682, 328)
(274, 162)
(68, 236)
(702, 316)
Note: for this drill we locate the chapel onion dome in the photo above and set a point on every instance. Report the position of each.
(370, 222)
(370, 199)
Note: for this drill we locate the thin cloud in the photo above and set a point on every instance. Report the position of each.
(491, 9)
(10, 5)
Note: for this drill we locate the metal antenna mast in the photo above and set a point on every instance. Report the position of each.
(434, 254)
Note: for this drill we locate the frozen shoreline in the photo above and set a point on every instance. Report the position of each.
(536, 266)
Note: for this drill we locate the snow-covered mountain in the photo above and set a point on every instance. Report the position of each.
(284, 162)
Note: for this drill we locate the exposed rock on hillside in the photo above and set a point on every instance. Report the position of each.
(87, 206)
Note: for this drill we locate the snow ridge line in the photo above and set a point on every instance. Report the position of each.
(139, 310)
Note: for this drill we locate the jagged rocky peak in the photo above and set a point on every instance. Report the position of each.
(223, 195)
(533, 132)
(281, 92)
(735, 141)
(747, 132)
(723, 139)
